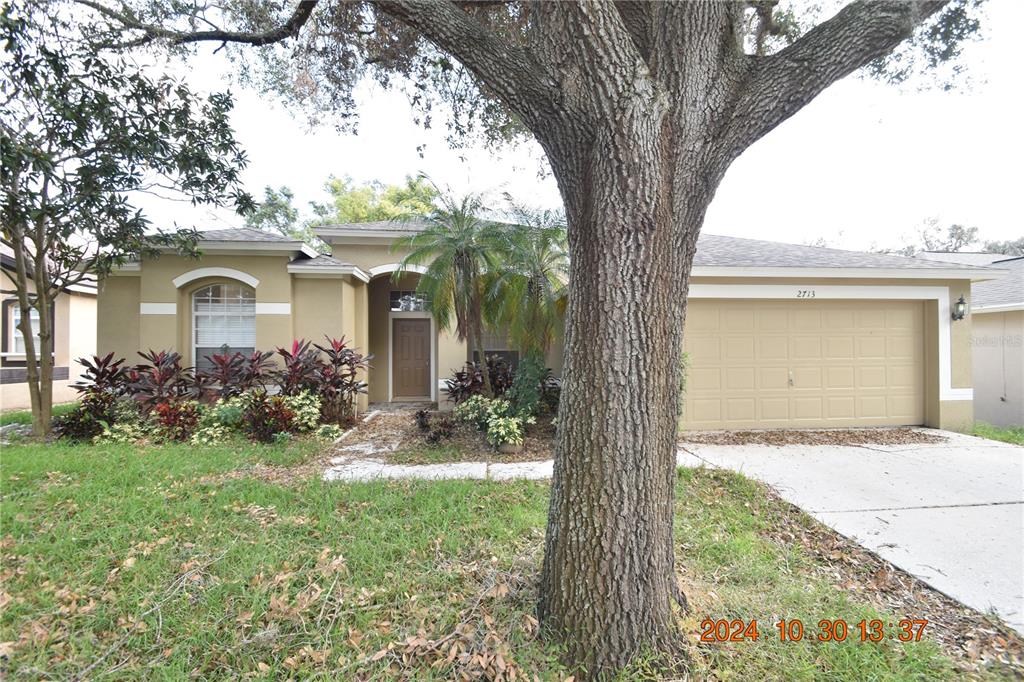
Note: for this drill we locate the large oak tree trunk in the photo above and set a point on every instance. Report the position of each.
(608, 581)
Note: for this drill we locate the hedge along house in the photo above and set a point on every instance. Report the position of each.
(777, 335)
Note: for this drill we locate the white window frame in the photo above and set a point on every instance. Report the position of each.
(16, 333)
(193, 342)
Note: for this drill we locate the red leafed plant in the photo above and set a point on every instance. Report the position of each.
(177, 420)
(338, 379)
(300, 366)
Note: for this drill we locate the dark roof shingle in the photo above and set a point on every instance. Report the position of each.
(242, 234)
(1005, 290)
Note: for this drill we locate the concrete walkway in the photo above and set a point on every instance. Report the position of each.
(951, 514)
(357, 462)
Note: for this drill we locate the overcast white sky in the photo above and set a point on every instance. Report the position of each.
(862, 165)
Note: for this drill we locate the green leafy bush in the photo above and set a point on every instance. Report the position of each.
(329, 432)
(123, 432)
(306, 409)
(210, 434)
(505, 431)
(475, 410)
(525, 393)
(226, 412)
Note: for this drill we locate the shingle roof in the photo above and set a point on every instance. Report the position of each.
(242, 234)
(322, 261)
(718, 251)
(962, 257)
(1006, 290)
(411, 225)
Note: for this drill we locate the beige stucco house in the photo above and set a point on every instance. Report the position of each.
(997, 323)
(778, 335)
(74, 336)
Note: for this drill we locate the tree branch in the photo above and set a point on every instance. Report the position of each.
(151, 32)
(778, 86)
(510, 71)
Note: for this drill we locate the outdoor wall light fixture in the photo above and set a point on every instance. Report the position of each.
(959, 309)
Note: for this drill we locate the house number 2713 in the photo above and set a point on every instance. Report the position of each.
(805, 293)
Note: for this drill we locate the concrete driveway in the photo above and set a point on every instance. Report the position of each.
(951, 514)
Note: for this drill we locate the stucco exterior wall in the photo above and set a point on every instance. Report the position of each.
(318, 309)
(117, 317)
(998, 343)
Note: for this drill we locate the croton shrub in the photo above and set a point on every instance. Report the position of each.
(312, 389)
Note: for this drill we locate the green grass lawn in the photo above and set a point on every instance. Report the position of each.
(1011, 434)
(160, 563)
(25, 416)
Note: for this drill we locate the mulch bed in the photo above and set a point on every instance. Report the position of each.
(973, 639)
(782, 437)
(402, 442)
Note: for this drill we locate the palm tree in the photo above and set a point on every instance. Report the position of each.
(526, 293)
(457, 248)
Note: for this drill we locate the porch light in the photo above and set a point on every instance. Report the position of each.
(959, 309)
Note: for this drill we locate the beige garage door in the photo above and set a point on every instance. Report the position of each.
(770, 364)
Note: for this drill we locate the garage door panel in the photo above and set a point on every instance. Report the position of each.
(837, 347)
(871, 347)
(804, 319)
(805, 348)
(871, 377)
(840, 377)
(773, 348)
(760, 364)
(900, 347)
(773, 378)
(841, 407)
(772, 320)
(808, 408)
(739, 348)
(741, 409)
(739, 320)
(740, 379)
(775, 409)
(806, 378)
(704, 379)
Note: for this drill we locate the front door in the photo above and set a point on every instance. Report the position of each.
(411, 358)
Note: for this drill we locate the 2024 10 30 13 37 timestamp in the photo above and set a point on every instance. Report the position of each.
(826, 630)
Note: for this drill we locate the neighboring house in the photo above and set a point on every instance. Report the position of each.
(74, 336)
(997, 316)
(778, 335)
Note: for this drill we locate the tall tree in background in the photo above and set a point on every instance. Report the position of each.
(640, 108)
(78, 136)
(1010, 247)
(931, 236)
(352, 203)
(348, 203)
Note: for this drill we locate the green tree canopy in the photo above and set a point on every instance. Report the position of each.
(81, 136)
(352, 203)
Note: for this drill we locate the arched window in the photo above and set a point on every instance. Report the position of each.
(223, 318)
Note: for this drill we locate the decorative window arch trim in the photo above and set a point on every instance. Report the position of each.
(392, 267)
(200, 273)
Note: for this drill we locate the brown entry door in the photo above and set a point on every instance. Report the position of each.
(411, 347)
